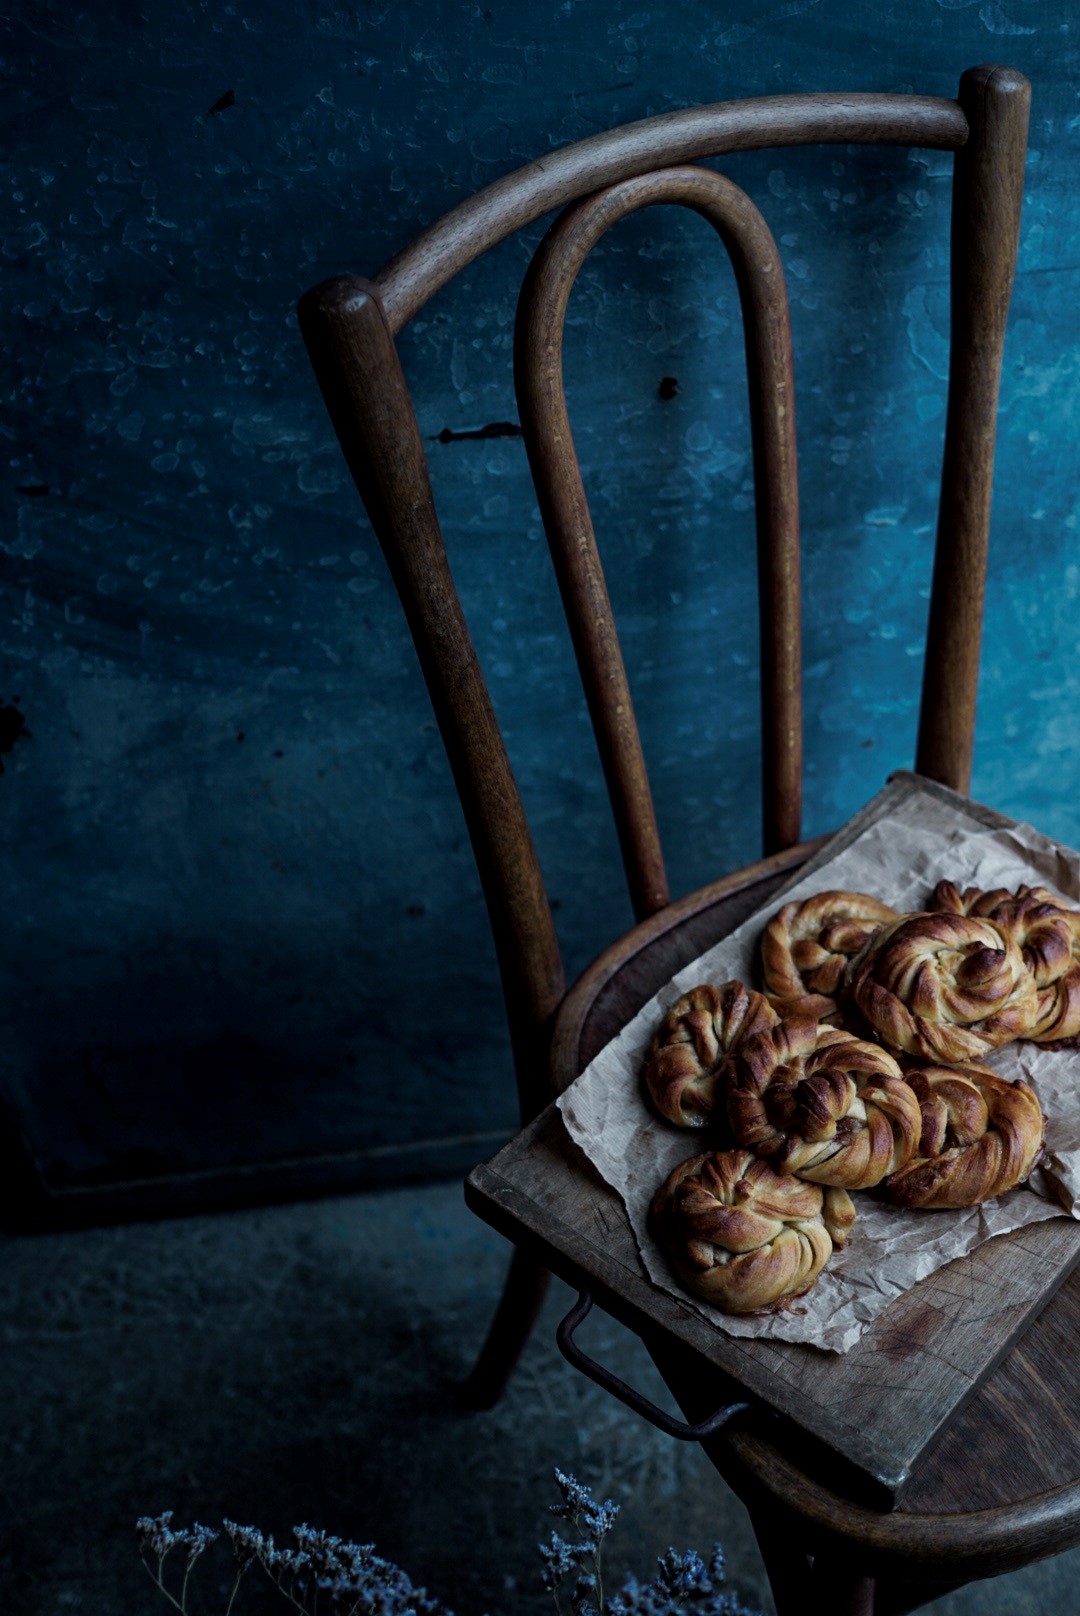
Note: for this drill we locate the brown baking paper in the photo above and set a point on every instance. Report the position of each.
(891, 1248)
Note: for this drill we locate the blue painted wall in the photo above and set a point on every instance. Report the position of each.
(241, 914)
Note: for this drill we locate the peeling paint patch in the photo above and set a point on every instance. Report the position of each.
(494, 429)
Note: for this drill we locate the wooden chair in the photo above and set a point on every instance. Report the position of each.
(969, 1513)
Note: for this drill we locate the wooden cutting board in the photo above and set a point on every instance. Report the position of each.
(870, 1413)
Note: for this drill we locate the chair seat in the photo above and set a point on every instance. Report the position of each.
(1009, 1459)
(626, 975)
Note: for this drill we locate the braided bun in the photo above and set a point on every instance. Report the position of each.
(824, 1105)
(689, 1053)
(806, 948)
(981, 1135)
(745, 1237)
(947, 987)
(1048, 936)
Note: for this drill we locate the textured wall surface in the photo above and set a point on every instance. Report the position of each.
(241, 914)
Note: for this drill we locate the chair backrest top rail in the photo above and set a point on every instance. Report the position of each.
(488, 217)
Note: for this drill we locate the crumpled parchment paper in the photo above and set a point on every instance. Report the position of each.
(898, 860)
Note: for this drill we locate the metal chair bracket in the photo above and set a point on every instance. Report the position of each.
(717, 1421)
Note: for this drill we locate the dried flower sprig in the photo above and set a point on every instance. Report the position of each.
(683, 1582)
(582, 1560)
(339, 1578)
(348, 1579)
(157, 1537)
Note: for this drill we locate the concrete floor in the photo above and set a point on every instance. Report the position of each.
(298, 1363)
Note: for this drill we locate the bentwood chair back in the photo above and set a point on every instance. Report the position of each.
(350, 325)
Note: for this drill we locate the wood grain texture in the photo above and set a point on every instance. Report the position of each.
(878, 1407)
(355, 360)
(987, 193)
(563, 504)
(881, 1406)
(483, 220)
(933, 1542)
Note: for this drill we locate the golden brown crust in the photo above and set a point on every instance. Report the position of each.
(748, 1239)
(838, 1214)
(1058, 1019)
(1047, 933)
(1031, 916)
(945, 986)
(981, 1135)
(947, 898)
(806, 947)
(687, 1060)
(1049, 940)
(822, 1105)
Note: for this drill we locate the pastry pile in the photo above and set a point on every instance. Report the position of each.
(860, 1066)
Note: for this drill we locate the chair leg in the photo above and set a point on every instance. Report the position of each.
(787, 1567)
(833, 1591)
(804, 1587)
(903, 1601)
(523, 1295)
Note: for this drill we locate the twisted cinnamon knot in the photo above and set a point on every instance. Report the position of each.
(1058, 1019)
(1048, 936)
(947, 987)
(806, 947)
(689, 1053)
(949, 899)
(827, 1106)
(747, 1238)
(981, 1135)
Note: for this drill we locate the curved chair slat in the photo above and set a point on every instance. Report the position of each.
(452, 243)
(561, 495)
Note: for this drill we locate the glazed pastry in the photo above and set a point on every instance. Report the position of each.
(688, 1057)
(745, 1237)
(1048, 936)
(946, 987)
(1058, 1019)
(949, 899)
(981, 1135)
(822, 1105)
(806, 947)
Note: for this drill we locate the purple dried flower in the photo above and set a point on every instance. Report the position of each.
(559, 1559)
(575, 1497)
(680, 1575)
(349, 1579)
(155, 1534)
(197, 1538)
(248, 1543)
(579, 1507)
